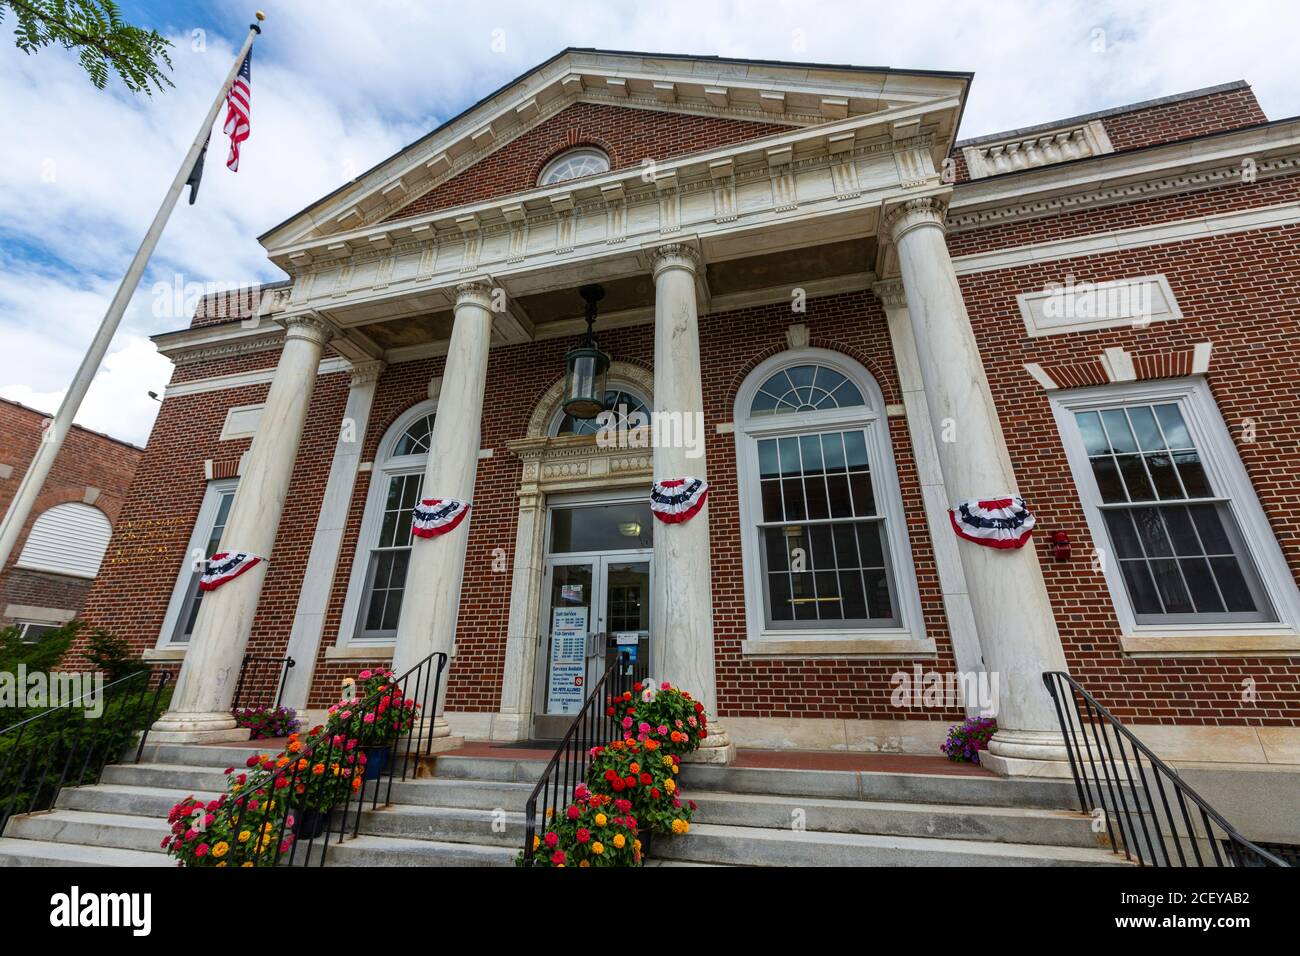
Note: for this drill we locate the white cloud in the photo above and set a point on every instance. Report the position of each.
(339, 86)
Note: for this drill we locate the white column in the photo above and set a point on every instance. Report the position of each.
(934, 494)
(322, 560)
(431, 601)
(200, 707)
(1013, 614)
(515, 720)
(681, 606)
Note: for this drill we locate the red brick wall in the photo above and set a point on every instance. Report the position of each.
(1241, 292)
(628, 135)
(87, 459)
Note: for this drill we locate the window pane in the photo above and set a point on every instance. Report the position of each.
(1144, 426)
(1227, 571)
(1181, 533)
(837, 488)
(855, 446)
(767, 466)
(1108, 481)
(1173, 593)
(1151, 532)
(815, 489)
(1164, 477)
(1094, 439)
(869, 545)
(1135, 478)
(1141, 589)
(792, 492)
(823, 547)
(789, 456)
(1196, 571)
(1210, 528)
(774, 543)
(829, 607)
(879, 602)
(778, 589)
(1116, 422)
(1172, 424)
(853, 595)
(803, 596)
(833, 451)
(1123, 537)
(1193, 474)
(846, 546)
(772, 500)
(810, 446)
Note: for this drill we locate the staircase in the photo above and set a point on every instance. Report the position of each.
(468, 812)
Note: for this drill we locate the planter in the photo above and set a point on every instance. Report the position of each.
(376, 760)
(309, 824)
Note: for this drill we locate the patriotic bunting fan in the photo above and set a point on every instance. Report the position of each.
(435, 516)
(1002, 522)
(226, 566)
(678, 499)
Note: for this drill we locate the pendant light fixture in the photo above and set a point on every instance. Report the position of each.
(586, 366)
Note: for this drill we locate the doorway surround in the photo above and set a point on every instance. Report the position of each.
(552, 465)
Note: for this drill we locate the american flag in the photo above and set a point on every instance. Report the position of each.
(237, 110)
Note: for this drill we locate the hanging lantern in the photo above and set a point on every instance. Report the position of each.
(586, 367)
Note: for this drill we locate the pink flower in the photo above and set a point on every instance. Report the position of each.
(364, 675)
(557, 857)
(627, 723)
(574, 811)
(201, 850)
(661, 729)
(665, 686)
(552, 839)
(644, 727)
(583, 834)
(368, 719)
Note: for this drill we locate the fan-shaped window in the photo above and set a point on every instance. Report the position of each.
(628, 408)
(378, 582)
(70, 538)
(584, 161)
(824, 541)
(805, 388)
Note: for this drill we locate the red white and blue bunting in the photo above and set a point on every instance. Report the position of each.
(435, 516)
(678, 499)
(1002, 522)
(226, 566)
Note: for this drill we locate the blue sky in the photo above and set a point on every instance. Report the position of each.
(338, 86)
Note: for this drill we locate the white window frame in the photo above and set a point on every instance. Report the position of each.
(184, 575)
(908, 637)
(1222, 463)
(386, 466)
(25, 626)
(567, 155)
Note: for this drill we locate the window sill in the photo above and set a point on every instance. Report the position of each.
(164, 654)
(368, 652)
(842, 646)
(1286, 644)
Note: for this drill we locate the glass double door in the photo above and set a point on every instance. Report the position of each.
(595, 607)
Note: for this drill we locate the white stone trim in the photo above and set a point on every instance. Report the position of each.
(1038, 148)
(1135, 237)
(261, 376)
(1223, 464)
(1086, 306)
(39, 615)
(193, 552)
(872, 420)
(241, 421)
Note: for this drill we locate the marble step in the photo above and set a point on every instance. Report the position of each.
(92, 828)
(395, 851)
(446, 825)
(998, 824)
(123, 799)
(757, 846)
(15, 852)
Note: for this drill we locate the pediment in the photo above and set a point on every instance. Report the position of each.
(591, 92)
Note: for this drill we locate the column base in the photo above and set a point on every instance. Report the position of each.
(175, 727)
(1027, 753)
(511, 726)
(716, 748)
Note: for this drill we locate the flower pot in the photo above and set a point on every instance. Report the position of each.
(309, 824)
(376, 760)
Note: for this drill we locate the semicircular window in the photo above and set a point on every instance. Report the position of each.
(621, 402)
(416, 439)
(584, 161)
(805, 388)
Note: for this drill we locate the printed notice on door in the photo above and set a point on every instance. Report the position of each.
(568, 645)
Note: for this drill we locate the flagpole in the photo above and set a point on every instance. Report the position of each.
(20, 508)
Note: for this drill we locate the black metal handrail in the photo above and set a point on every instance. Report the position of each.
(593, 724)
(1150, 813)
(421, 684)
(66, 746)
(283, 664)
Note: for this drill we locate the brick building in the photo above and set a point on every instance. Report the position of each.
(874, 321)
(62, 547)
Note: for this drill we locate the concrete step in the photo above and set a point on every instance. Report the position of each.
(394, 851)
(123, 799)
(202, 755)
(960, 790)
(997, 824)
(91, 828)
(446, 825)
(466, 794)
(757, 846)
(453, 767)
(165, 776)
(42, 853)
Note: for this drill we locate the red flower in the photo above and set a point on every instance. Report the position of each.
(654, 792)
(583, 834)
(618, 785)
(610, 774)
(699, 708)
(631, 782)
(609, 711)
(557, 857)
(646, 779)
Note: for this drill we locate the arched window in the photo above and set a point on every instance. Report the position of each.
(70, 538)
(583, 161)
(824, 542)
(629, 407)
(378, 581)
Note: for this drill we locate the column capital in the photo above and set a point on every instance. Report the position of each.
(474, 292)
(890, 293)
(675, 255)
(366, 373)
(922, 211)
(309, 326)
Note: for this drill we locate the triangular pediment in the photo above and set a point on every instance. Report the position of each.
(497, 146)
